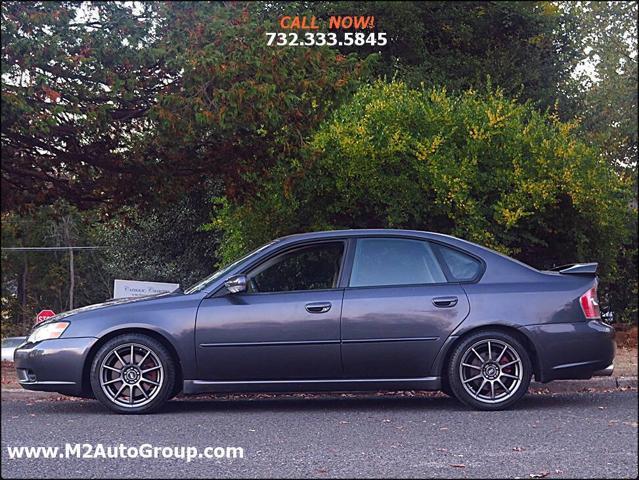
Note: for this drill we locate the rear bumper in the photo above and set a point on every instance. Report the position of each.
(53, 365)
(606, 372)
(578, 350)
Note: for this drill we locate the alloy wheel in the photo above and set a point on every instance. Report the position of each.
(491, 371)
(131, 375)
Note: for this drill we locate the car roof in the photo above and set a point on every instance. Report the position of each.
(387, 232)
(362, 233)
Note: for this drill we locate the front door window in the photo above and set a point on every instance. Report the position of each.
(314, 267)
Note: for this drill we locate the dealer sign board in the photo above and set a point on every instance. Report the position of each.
(135, 288)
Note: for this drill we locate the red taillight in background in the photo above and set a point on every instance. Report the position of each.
(590, 304)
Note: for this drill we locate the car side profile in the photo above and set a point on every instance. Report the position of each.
(334, 311)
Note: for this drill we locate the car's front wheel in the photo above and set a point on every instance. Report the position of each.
(489, 370)
(133, 373)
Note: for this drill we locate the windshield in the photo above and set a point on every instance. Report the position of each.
(211, 278)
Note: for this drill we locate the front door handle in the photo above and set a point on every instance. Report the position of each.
(445, 302)
(319, 307)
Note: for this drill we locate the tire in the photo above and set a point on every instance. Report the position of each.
(495, 382)
(177, 389)
(87, 395)
(446, 387)
(133, 387)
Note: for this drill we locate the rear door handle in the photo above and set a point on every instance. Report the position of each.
(445, 302)
(319, 307)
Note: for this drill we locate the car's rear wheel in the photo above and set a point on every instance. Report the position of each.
(489, 370)
(133, 373)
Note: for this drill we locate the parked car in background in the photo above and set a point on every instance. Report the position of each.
(340, 310)
(9, 345)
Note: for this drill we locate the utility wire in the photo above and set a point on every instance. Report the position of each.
(46, 249)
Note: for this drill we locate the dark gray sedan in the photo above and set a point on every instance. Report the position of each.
(341, 310)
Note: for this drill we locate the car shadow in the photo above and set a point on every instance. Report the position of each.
(354, 402)
(318, 402)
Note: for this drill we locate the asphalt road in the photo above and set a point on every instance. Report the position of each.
(568, 435)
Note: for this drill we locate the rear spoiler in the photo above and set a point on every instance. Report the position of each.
(577, 268)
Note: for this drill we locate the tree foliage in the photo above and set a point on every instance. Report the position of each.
(162, 244)
(130, 111)
(95, 97)
(606, 84)
(35, 280)
(606, 37)
(475, 165)
(522, 47)
(78, 82)
(242, 105)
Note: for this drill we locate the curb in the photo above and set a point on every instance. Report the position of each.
(567, 386)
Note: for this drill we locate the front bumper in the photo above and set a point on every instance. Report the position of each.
(53, 365)
(578, 350)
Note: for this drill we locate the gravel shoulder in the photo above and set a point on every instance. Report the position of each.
(591, 435)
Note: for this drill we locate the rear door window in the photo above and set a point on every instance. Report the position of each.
(394, 261)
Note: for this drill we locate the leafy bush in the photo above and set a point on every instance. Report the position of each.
(476, 165)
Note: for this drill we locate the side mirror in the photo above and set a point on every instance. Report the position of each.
(236, 284)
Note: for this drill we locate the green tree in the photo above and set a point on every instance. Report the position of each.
(100, 95)
(606, 37)
(78, 81)
(522, 47)
(241, 105)
(606, 83)
(161, 244)
(33, 280)
(475, 165)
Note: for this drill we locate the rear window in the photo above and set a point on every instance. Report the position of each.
(461, 266)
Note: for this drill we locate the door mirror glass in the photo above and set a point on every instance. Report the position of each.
(236, 284)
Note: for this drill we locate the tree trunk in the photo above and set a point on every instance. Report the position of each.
(23, 319)
(67, 240)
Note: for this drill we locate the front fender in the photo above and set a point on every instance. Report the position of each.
(172, 318)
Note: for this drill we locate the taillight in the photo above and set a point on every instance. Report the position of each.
(590, 304)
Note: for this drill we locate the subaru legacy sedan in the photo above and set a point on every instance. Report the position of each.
(334, 311)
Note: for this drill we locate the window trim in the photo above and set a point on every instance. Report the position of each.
(435, 244)
(350, 243)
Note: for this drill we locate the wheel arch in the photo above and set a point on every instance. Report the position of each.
(528, 344)
(86, 370)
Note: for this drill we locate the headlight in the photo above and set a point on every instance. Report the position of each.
(48, 331)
